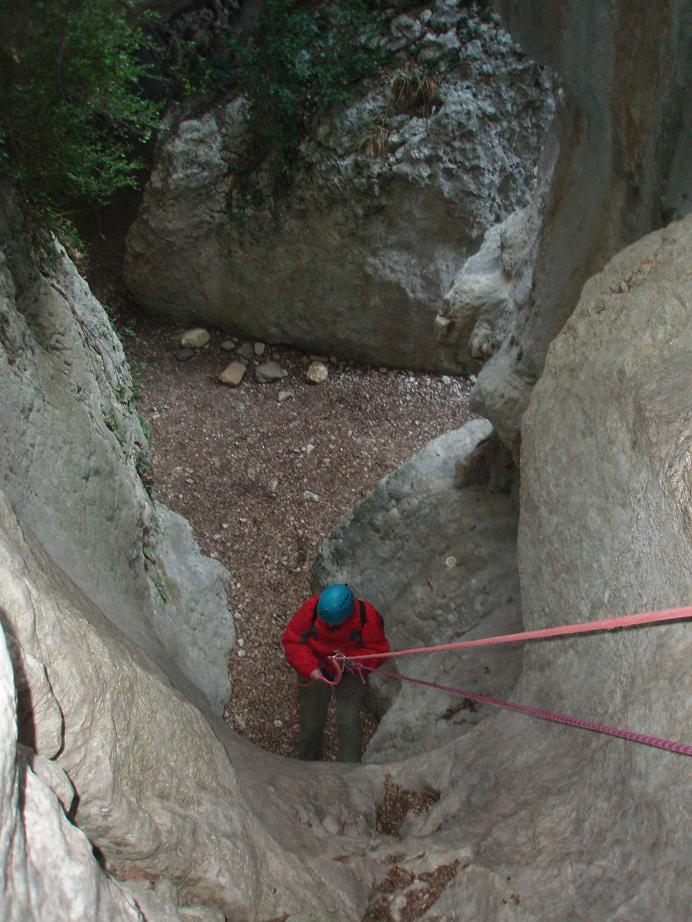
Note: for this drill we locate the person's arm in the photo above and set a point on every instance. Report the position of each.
(299, 653)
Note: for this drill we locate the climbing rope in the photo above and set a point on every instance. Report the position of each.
(585, 627)
(354, 663)
(669, 745)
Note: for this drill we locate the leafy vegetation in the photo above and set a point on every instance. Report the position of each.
(301, 60)
(71, 113)
(74, 110)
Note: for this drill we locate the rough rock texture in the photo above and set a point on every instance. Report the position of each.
(571, 824)
(47, 866)
(439, 563)
(389, 199)
(480, 310)
(156, 792)
(623, 167)
(73, 455)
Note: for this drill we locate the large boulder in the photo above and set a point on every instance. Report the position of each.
(47, 866)
(439, 562)
(565, 823)
(388, 199)
(72, 458)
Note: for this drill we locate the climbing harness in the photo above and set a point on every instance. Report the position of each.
(671, 614)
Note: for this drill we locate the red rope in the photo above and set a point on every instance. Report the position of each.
(669, 745)
(586, 627)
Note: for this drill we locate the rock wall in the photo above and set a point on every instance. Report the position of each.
(73, 453)
(438, 560)
(388, 200)
(550, 822)
(48, 869)
(519, 813)
(193, 829)
(622, 169)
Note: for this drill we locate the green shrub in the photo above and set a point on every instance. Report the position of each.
(70, 110)
(300, 60)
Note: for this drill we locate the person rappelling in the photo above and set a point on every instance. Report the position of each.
(334, 621)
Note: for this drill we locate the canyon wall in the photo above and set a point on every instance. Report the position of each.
(622, 145)
(75, 459)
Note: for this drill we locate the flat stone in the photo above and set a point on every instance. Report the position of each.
(260, 348)
(194, 339)
(331, 824)
(317, 373)
(184, 354)
(228, 345)
(246, 351)
(269, 371)
(233, 374)
(285, 395)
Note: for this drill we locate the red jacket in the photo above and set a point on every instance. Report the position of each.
(308, 642)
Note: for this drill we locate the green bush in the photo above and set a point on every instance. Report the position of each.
(71, 113)
(300, 60)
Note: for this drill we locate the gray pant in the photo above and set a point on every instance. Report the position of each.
(313, 702)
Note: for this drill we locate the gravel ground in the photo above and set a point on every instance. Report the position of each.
(264, 481)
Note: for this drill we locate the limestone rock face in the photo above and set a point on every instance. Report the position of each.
(388, 200)
(439, 563)
(47, 866)
(620, 471)
(481, 308)
(622, 137)
(148, 780)
(71, 458)
(604, 529)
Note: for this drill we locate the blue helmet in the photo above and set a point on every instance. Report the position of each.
(335, 604)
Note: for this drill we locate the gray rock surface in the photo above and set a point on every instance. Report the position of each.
(389, 199)
(156, 791)
(439, 563)
(481, 308)
(47, 866)
(622, 140)
(268, 372)
(71, 457)
(571, 824)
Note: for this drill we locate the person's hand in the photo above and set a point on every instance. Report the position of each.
(316, 675)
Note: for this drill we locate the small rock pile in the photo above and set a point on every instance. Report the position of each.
(249, 354)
